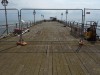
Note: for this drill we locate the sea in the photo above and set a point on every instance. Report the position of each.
(11, 26)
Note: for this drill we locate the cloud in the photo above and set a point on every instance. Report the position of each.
(53, 3)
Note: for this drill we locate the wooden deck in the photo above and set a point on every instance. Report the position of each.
(50, 51)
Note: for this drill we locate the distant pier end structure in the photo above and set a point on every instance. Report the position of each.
(53, 18)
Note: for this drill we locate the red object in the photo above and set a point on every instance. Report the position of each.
(17, 31)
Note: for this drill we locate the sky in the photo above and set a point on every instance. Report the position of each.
(53, 4)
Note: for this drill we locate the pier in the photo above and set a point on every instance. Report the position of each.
(51, 50)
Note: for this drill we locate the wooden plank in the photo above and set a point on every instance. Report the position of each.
(38, 64)
(42, 66)
(58, 64)
(75, 65)
(63, 66)
(29, 62)
(54, 65)
(50, 63)
(90, 64)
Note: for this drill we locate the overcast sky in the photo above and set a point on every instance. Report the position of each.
(58, 4)
(53, 4)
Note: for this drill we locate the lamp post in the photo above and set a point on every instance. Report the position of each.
(5, 3)
(66, 16)
(42, 16)
(34, 16)
(61, 16)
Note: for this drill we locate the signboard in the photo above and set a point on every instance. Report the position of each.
(87, 12)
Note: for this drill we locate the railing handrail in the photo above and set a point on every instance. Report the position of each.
(9, 24)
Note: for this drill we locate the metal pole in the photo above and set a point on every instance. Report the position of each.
(83, 21)
(20, 27)
(16, 25)
(84, 16)
(6, 20)
(66, 16)
(61, 17)
(18, 18)
(42, 17)
(34, 17)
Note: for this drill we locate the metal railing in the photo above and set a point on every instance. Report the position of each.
(11, 28)
(7, 26)
(82, 15)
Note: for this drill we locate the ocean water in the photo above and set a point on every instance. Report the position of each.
(11, 27)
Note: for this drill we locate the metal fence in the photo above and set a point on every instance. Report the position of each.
(90, 16)
(6, 29)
